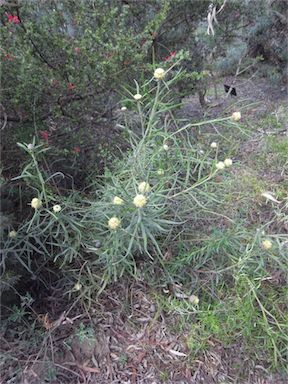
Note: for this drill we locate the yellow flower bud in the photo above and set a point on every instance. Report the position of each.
(228, 162)
(236, 116)
(57, 208)
(159, 73)
(12, 234)
(266, 244)
(220, 165)
(144, 187)
(137, 96)
(118, 201)
(139, 201)
(160, 172)
(114, 223)
(166, 147)
(36, 203)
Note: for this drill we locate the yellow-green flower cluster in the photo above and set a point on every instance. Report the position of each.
(12, 234)
(77, 286)
(118, 201)
(236, 116)
(266, 244)
(140, 201)
(222, 164)
(213, 145)
(36, 203)
(144, 187)
(57, 208)
(166, 147)
(137, 97)
(159, 73)
(194, 299)
(114, 223)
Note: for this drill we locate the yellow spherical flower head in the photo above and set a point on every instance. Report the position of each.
(220, 165)
(114, 223)
(12, 234)
(160, 172)
(194, 299)
(228, 162)
(139, 201)
(159, 73)
(118, 201)
(137, 96)
(77, 286)
(36, 203)
(213, 145)
(57, 208)
(144, 187)
(266, 244)
(236, 116)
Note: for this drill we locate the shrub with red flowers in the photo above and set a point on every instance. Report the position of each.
(62, 48)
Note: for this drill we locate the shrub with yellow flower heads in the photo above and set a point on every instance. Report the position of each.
(228, 162)
(114, 222)
(118, 201)
(144, 187)
(236, 116)
(139, 201)
(57, 208)
(220, 165)
(159, 73)
(266, 244)
(137, 96)
(36, 203)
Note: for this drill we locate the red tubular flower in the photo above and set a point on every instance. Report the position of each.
(77, 150)
(71, 86)
(8, 57)
(44, 135)
(16, 20)
(13, 19)
(172, 54)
